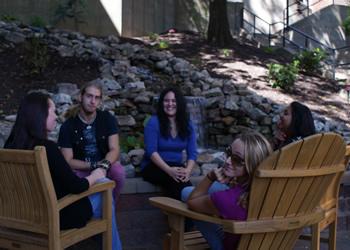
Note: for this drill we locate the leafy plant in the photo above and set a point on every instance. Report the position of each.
(153, 37)
(226, 52)
(269, 50)
(8, 18)
(131, 142)
(283, 76)
(72, 9)
(36, 57)
(346, 24)
(37, 21)
(163, 44)
(310, 60)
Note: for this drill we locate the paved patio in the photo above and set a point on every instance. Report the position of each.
(142, 226)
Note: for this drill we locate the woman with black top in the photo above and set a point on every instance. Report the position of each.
(296, 122)
(35, 119)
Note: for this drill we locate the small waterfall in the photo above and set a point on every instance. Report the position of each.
(196, 108)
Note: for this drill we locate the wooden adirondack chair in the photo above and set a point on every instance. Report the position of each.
(29, 209)
(330, 204)
(285, 193)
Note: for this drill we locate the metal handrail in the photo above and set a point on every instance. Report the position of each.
(313, 39)
(269, 34)
(332, 52)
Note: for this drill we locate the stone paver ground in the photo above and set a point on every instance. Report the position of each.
(142, 227)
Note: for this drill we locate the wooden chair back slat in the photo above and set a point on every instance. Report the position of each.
(24, 201)
(282, 197)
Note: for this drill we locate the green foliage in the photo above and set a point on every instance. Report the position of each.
(8, 18)
(71, 9)
(346, 24)
(36, 56)
(163, 44)
(153, 37)
(283, 76)
(310, 61)
(131, 142)
(269, 50)
(37, 21)
(225, 52)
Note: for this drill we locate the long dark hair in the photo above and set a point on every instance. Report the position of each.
(30, 123)
(302, 123)
(182, 117)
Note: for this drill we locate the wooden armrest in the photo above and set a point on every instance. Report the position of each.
(173, 206)
(96, 188)
(176, 207)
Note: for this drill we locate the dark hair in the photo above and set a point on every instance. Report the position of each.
(30, 123)
(302, 123)
(182, 117)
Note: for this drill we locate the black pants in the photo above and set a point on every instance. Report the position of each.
(156, 176)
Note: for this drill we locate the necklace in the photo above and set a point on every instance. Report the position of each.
(87, 122)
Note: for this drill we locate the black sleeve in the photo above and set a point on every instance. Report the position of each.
(111, 124)
(64, 138)
(63, 177)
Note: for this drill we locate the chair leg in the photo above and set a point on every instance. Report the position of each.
(166, 242)
(332, 235)
(176, 224)
(315, 237)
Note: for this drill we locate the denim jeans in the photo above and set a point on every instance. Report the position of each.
(213, 233)
(96, 203)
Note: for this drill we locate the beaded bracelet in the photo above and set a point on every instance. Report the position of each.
(105, 164)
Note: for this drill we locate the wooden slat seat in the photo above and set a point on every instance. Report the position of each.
(285, 196)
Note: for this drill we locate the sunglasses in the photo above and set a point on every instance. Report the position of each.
(236, 160)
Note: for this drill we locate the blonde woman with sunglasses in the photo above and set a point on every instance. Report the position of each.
(247, 151)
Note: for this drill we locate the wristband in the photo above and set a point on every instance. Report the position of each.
(105, 164)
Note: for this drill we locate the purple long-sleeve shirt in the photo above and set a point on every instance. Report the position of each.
(227, 203)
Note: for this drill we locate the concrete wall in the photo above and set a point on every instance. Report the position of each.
(125, 17)
(141, 17)
(101, 16)
(325, 26)
(270, 11)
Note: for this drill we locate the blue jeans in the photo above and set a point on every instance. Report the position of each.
(96, 203)
(213, 233)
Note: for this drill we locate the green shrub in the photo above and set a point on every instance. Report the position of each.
(36, 56)
(71, 9)
(346, 24)
(163, 44)
(269, 50)
(225, 52)
(153, 37)
(310, 60)
(131, 142)
(8, 18)
(37, 21)
(283, 76)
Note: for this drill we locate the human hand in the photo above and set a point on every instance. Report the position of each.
(176, 173)
(186, 174)
(220, 176)
(99, 173)
(280, 136)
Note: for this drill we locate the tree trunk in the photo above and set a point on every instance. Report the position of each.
(219, 28)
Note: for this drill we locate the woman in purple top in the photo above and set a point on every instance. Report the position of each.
(245, 153)
(167, 135)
